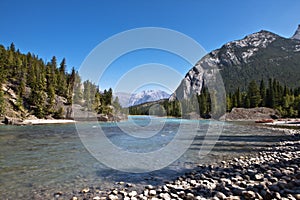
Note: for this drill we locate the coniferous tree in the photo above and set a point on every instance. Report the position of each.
(71, 82)
(253, 95)
(262, 89)
(12, 47)
(61, 79)
(88, 96)
(228, 103)
(78, 90)
(270, 95)
(116, 104)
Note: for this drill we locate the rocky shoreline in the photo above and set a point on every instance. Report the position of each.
(273, 173)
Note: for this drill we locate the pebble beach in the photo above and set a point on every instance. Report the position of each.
(272, 173)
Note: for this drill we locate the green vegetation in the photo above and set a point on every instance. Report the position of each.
(277, 96)
(281, 98)
(41, 87)
(176, 108)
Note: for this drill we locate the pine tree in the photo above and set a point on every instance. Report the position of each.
(87, 94)
(52, 74)
(228, 103)
(262, 89)
(97, 105)
(12, 47)
(238, 97)
(78, 92)
(51, 99)
(116, 104)
(71, 83)
(253, 94)
(62, 82)
(270, 95)
(37, 99)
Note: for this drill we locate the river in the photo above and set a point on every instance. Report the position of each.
(44, 159)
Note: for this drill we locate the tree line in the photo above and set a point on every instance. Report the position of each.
(272, 95)
(200, 104)
(39, 85)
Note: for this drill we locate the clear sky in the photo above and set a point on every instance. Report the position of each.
(71, 29)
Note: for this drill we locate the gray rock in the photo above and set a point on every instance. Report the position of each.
(291, 197)
(297, 196)
(181, 194)
(274, 188)
(233, 198)
(132, 193)
(236, 190)
(220, 195)
(129, 185)
(165, 196)
(189, 196)
(115, 192)
(259, 177)
(150, 187)
(277, 195)
(113, 197)
(152, 192)
(249, 195)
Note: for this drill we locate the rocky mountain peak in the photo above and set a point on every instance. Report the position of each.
(241, 61)
(296, 36)
(127, 99)
(147, 96)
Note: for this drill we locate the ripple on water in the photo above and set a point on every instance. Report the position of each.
(48, 158)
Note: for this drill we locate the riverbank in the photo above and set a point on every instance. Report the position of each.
(21, 122)
(47, 121)
(273, 173)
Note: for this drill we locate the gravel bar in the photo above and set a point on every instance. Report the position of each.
(273, 173)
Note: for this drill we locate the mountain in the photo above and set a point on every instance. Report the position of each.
(147, 96)
(127, 100)
(123, 98)
(260, 55)
(297, 34)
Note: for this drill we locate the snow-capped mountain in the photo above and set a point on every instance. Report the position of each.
(258, 55)
(147, 96)
(127, 99)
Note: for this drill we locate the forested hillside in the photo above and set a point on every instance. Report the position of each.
(31, 87)
(258, 94)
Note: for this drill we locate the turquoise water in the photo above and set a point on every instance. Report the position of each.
(49, 158)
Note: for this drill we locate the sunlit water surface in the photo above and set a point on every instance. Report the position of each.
(49, 158)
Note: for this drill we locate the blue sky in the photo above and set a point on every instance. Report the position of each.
(72, 29)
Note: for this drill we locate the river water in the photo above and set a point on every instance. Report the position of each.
(45, 159)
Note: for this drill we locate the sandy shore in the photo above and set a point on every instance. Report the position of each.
(48, 121)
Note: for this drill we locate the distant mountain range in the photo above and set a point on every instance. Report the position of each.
(127, 100)
(260, 55)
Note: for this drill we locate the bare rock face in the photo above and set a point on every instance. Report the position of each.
(204, 71)
(231, 54)
(296, 36)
